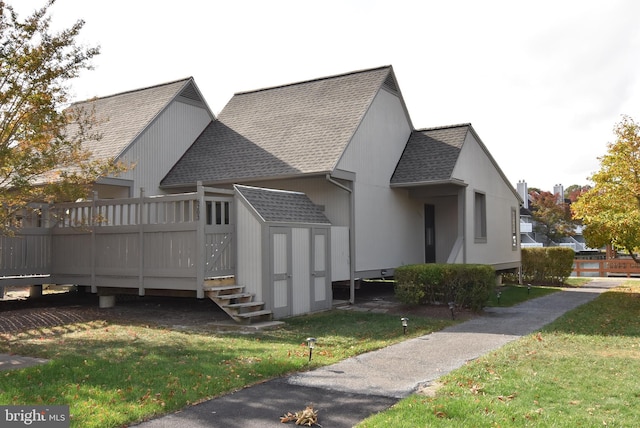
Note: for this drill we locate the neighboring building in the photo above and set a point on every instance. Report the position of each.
(529, 237)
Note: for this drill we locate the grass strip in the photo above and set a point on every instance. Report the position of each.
(512, 294)
(509, 295)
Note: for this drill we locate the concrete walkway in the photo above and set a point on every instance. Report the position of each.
(347, 392)
(14, 362)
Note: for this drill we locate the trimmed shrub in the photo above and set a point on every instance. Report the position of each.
(468, 285)
(547, 265)
(534, 264)
(560, 264)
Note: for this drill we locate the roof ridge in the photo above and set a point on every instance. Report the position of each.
(133, 90)
(457, 125)
(317, 79)
(266, 189)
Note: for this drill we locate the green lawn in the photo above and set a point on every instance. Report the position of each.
(577, 372)
(580, 371)
(512, 294)
(115, 374)
(509, 295)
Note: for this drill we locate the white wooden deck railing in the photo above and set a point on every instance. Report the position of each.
(162, 242)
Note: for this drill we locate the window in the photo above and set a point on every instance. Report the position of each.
(480, 217)
(514, 229)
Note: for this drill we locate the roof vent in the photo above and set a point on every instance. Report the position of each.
(190, 93)
(390, 83)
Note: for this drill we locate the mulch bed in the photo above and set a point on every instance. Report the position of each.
(21, 314)
(29, 319)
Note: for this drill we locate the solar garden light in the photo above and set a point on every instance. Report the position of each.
(311, 343)
(452, 306)
(405, 323)
(528, 288)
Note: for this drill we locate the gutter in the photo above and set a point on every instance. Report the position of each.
(352, 238)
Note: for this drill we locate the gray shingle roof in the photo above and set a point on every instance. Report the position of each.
(282, 206)
(430, 155)
(122, 117)
(295, 129)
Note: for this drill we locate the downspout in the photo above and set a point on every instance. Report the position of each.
(352, 238)
(464, 225)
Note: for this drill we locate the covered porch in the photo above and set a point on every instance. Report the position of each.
(443, 206)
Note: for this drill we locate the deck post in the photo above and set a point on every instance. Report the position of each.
(141, 243)
(93, 219)
(200, 253)
(35, 291)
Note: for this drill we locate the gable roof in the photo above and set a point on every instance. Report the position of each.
(282, 206)
(430, 155)
(290, 130)
(122, 117)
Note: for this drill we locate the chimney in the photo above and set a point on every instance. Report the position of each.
(523, 191)
(558, 190)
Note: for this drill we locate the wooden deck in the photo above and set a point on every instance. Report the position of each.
(171, 242)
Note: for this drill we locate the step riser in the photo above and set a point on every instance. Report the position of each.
(244, 310)
(232, 294)
(246, 321)
(259, 316)
(225, 301)
(214, 282)
(220, 291)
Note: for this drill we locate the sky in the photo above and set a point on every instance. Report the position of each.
(543, 83)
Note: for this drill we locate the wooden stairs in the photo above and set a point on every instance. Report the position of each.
(238, 304)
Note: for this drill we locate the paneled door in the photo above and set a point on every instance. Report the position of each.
(281, 271)
(320, 261)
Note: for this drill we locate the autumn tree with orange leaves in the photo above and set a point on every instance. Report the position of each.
(40, 160)
(552, 216)
(610, 211)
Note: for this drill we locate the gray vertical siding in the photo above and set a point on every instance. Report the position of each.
(475, 167)
(339, 253)
(155, 152)
(386, 219)
(249, 271)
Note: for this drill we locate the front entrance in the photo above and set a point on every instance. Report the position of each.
(429, 234)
